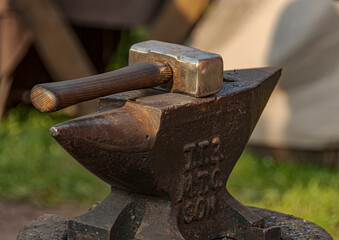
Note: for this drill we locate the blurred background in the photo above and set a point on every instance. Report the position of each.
(292, 160)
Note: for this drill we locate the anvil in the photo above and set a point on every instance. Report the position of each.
(168, 157)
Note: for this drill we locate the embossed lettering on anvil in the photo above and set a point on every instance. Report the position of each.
(201, 171)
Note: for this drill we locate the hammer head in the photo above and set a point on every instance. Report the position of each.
(195, 72)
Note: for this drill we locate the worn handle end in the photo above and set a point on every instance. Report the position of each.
(44, 99)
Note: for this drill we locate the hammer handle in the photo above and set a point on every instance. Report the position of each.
(50, 97)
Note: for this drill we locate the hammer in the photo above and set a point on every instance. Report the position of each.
(168, 66)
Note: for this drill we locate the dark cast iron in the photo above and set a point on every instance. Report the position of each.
(168, 157)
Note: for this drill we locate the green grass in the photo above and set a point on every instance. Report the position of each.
(35, 169)
(306, 191)
(128, 37)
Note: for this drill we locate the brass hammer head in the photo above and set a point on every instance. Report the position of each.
(195, 72)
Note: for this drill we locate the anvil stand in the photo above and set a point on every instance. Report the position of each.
(168, 158)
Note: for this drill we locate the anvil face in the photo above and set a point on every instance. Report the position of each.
(176, 147)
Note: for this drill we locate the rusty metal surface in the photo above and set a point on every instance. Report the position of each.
(46, 227)
(195, 72)
(49, 227)
(292, 228)
(167, 157)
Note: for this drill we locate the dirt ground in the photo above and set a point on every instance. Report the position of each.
(13, 216)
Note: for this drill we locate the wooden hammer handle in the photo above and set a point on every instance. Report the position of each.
(50, 97)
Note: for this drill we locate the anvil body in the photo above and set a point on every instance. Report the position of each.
(168, 157)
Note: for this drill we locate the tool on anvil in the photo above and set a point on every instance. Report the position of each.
(152, 63)
(166, 155)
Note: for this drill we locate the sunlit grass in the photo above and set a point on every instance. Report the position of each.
(306, 191)
(35, 169)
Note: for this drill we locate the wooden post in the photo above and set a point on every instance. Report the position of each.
(5, 87)
(177, 19)
(56, 43)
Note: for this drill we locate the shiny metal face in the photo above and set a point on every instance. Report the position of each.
(195, 72)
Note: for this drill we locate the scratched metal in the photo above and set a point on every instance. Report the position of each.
(195, 72)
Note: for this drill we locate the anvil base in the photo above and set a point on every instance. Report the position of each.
(55, 227)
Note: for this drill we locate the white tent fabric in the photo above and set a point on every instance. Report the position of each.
(301, 36)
